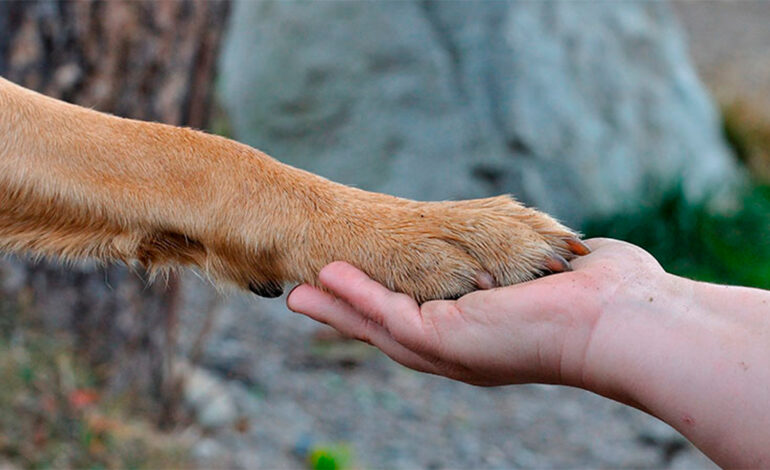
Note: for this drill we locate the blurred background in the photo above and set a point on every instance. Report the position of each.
(646, 121)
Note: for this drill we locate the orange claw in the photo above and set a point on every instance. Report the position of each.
(577, 246)
(557, 264)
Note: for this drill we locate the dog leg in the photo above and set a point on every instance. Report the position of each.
(76, 184)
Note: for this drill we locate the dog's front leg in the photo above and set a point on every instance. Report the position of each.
(75, 183)
(78, 184)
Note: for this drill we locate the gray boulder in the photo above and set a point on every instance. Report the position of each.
(578, 108)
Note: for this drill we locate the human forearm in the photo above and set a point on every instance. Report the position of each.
(697, 356)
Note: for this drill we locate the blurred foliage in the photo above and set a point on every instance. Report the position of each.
(696, 242)
(332, 457)
(51, 416)
(747, 130)
(220, 122)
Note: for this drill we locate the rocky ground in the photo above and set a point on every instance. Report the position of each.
(273, 388)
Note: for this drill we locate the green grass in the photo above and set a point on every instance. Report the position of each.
(694, 242)
(330, 457)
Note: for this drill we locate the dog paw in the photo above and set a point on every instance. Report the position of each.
(444, 250)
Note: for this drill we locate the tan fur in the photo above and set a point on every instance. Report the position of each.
(78, 184)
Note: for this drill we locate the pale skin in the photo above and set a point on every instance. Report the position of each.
(693, 354)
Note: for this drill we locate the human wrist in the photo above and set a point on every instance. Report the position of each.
(637, 327)
(696, 356)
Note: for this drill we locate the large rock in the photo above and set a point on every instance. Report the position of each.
(579, 108)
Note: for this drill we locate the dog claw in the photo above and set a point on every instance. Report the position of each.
(484, 280)
(269, 289)
(557, 264)
(577, 246)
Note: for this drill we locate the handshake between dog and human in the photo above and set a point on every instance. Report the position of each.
(79, 184)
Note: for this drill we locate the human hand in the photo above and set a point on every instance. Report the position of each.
(618, 325)
(538, 331)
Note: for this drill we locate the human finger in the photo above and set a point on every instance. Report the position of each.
(398, 313)
(327, 309)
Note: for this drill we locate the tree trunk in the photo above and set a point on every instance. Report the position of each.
(150, 60)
